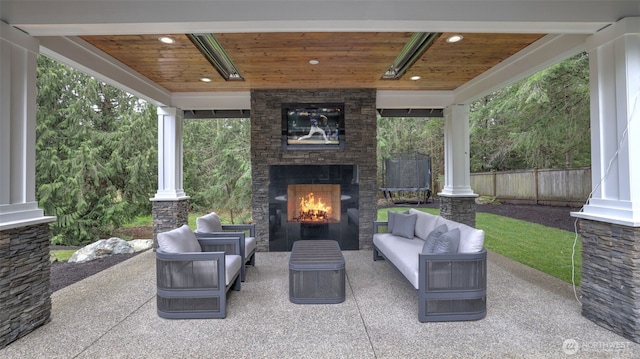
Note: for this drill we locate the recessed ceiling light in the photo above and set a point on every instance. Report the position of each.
(314, 62)
(455, 38)
(166, 40)
(415, 78)
(205, 79)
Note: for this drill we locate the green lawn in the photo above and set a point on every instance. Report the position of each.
(546, 249)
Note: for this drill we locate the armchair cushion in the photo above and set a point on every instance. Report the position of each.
(232, 266)
(179, 240)
(209, 223)
(202, 273)
(250, 244)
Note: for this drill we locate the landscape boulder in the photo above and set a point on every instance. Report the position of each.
(107, 247)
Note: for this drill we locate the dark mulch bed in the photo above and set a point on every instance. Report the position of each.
(549, 216)
(64, 274)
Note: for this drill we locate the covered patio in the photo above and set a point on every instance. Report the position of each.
(113, 314)
(313, 52)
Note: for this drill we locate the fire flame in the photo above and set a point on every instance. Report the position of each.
(313, 209)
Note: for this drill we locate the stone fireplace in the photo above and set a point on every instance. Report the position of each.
(314, 193)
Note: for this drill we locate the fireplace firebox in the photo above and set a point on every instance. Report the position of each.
(313, 202)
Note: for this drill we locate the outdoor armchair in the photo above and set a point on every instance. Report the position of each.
(210, 224)
(194, 274)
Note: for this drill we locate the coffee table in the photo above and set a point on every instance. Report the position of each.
(316, 272)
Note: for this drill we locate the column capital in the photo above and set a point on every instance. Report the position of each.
(170, 111)
(19, 38)
(626, 26)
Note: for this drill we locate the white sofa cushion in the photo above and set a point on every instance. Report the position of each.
(209, 223)
(425, 223)
(179, 240)
(402, 252)
(471, 239)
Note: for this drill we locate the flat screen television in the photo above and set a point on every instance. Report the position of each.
(307, 126)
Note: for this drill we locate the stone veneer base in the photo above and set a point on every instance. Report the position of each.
(459, 209)
(168, 215)
(610, 281)
(25, 294)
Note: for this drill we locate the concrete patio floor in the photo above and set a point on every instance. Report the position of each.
(113, 314)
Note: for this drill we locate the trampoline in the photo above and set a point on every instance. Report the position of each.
(407, 172)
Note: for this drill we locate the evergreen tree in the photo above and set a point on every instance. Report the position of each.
(96, 153)
(539, 122)
(218, 166)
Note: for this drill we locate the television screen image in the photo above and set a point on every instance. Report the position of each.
(313, 126)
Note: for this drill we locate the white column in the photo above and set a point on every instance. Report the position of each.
(18, 205)
(457, 176)
(614, 58)
(170, 176)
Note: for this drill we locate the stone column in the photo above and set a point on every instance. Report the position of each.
(25, 299)
(457, 199)
(171, 204)
(610, 222)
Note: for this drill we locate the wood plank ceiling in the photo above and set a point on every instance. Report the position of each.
(281, 60)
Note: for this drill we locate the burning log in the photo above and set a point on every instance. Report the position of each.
(312, 210)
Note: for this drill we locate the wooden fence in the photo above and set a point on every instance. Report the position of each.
(559, 187)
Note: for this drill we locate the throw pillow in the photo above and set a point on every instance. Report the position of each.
(209, 223)
(404, 225)
(432, 238)
(448, 242)
(391, 221)
(179, 240)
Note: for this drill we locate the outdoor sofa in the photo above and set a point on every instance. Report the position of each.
(211, 225)
(194, 272)
(445, 261)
